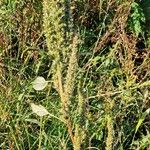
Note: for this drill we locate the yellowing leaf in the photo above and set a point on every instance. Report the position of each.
(39, 110)
(39, 83)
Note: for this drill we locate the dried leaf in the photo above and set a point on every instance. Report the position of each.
(39, 110)
(39, 83)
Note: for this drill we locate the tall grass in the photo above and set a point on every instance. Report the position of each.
(95, 57)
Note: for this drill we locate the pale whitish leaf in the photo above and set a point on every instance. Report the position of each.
(39, 83)
(35, 121)
(39, 110)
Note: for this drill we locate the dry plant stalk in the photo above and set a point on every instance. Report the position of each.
(109, 123)
(122, 13)
(109, 139)
(79, 131)
(54, 29)
(57, 38)
(77, 138)
(52, 26)
(65, 90)
(70, 77)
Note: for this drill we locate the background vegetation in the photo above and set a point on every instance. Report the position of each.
(94, 55)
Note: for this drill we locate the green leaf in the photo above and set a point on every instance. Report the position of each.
(142, 119)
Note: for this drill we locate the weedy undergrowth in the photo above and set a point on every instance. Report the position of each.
(74, 75)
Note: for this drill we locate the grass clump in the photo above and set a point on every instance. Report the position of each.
(74, 75)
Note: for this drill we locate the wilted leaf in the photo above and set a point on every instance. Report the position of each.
(39, 110)
(39, 83)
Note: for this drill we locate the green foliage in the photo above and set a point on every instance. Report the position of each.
(145, 5)
(74, 75)
(136, 19)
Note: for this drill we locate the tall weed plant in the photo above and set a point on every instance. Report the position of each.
(74, 75)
